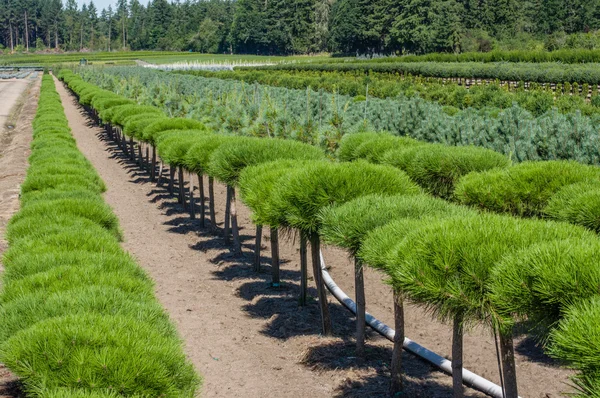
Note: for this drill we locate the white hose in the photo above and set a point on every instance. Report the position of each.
(469, 378)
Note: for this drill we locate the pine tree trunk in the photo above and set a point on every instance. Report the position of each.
(396, 384)
(192, 199)
(226, 224)
(153, 165)
(202, 200)
(160, 173)
(315, 244)
(359, 287)
(508, 365)
(275, 282)
(171, 179)
(131, 148)
(457, 357)
(237, 243)
(211, 197)
(257, 247)
(181, 186)
(303, 269)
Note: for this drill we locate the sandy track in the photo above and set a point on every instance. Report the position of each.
(10, 91)
(249, 340)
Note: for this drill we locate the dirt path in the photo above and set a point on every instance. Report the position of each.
(249, 340)
(14, 150)
(10, 92)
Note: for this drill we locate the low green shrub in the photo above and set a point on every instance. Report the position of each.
(109, 352)
(197, 158)
(258, 184)
(374, 151)
(151, 131)
(447, 266)
(27, 264)
(24, 312)
(173, 145)
(578, 204)
(575, 341)
(524, 189)
(230, 158)
(541, 282)
(350, 142)
(94, 210)
(437, 168)
(308, 190)
(347, 225)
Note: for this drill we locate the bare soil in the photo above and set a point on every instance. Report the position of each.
(248, 339)
(14, 150)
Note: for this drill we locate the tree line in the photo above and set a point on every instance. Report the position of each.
(301, 26)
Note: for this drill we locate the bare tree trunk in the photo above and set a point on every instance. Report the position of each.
(275, 282)
(303, 268)
(359, 287)
(227, 216)
(315, 244)
(211, 197)
(396, 384)
(12, 43)
(202, 200)
(171, 186)
(457, 357)
(508, 365)
(192, 199)
(181, 184)
(153, 166)
(257, 247)
(26, 32)
(235, 230)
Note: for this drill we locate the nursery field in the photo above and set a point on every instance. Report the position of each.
(317, 228)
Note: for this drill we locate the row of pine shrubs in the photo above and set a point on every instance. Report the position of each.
(391, 202)
(79, 316)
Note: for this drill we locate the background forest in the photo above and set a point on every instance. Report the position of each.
(269, 27)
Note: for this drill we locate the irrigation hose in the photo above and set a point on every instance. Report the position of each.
(469, 378)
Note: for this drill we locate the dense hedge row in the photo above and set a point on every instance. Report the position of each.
(560, 190)
(567, 56)
(79, 316)
(466, 267)
(537, 99)
(540, 271)
(231, 107)
(528, 72)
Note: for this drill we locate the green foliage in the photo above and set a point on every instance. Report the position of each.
(320, 118)
(230, 158)
(350, 142)
(578, 204)
(539, 284)
(524, 189)
(548, 72)
(197, 158)
(437, 168)
(575, 340)
(158, 367)
(258, 185)
(447, 265)
(349, 224)
(153, 130)
(33, 214)
(66, 275)
(305, 192)
(374, 151)
(173, 145)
